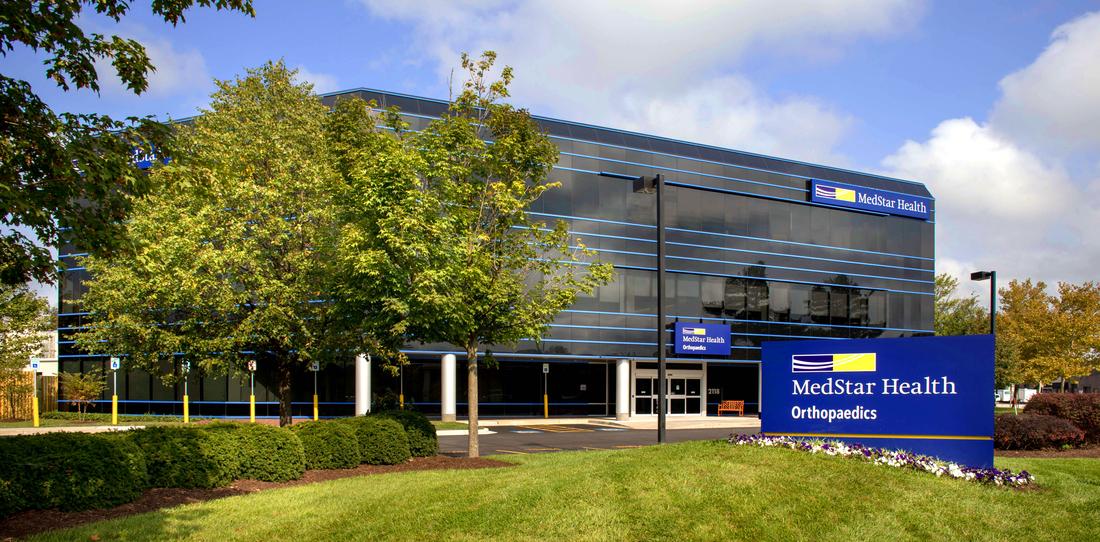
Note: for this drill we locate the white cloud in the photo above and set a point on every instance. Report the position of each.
(1054, 103)
(1000, 206)
(629, 63)
(177, 72)
(1005, 198)
(322, 82)
(731, 112)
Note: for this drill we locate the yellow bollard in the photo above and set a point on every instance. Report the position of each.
(401, 401)
(186, 410)
(114, 410)
(35, 407)
(252, 408)
(315, 417)
(545, 406)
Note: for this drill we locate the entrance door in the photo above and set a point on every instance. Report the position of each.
(683, 393)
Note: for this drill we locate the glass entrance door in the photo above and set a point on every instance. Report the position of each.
(683, 395)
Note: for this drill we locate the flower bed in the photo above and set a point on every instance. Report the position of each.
(891, 458)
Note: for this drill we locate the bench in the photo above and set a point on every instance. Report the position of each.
(732, 406)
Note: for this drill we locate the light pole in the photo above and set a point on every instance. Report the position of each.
(651, 185)
(991, 276)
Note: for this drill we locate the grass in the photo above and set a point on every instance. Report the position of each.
(441, 426)
(688, 491)
(68, 419)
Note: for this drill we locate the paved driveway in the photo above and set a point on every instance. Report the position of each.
(534, 439)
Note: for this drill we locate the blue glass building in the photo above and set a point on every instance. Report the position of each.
(748, 245)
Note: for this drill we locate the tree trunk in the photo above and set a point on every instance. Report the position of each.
(471, 399)
(284, 374)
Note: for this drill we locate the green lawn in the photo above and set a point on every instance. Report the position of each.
(440, 426)
(690, 491)
(97, 419)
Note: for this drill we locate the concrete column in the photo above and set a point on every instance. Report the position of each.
(622, 389)
(447, 389)
(362, 384)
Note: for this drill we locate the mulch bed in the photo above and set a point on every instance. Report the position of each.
(30, 522)
(1089, 452)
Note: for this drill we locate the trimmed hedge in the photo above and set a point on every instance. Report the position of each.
(1081, 409)
(188, 456)
(423, 441)
(1034, 432)
(328, 444)
(382, 441)
(68, 471)
(267, 453)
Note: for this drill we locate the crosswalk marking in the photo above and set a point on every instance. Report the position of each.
(555, 428)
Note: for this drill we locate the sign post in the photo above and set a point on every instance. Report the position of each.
(115, 363)
(252, 391)
(401, 387)
(315, 367)
(34, 398)
(186, 405)
(927, 395)
(545, 390)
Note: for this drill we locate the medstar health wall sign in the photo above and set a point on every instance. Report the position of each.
(870, 199)
(708, 339)
(928, 395)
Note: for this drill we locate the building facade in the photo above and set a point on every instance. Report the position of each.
(749, 243)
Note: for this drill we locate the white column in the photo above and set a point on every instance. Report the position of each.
(622, 389)
(362, 384)
(447, 389)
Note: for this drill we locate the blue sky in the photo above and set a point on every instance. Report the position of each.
(991, 104)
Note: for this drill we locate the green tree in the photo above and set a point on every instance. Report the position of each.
(1055, 337)
(44, 196)
(233, 252)
(955, 315)
(24, 320)
(83, 388)
(495, 274)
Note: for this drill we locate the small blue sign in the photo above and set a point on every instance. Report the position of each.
(928, 395)
(708, 339)
(870, 199)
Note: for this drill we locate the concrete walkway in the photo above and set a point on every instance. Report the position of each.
(637, 422)
(10, 431)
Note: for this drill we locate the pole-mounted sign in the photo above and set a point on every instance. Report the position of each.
(115, 364)
(251, 390)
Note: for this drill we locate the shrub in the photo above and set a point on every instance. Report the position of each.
(423, 441)
(1082, 409)
(1033, 432)
(328, 444)
(267, 453)
(382, 441)
(188, 456)
(68, 471)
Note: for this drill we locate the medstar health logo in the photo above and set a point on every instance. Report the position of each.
(833, 363)
(832, 192)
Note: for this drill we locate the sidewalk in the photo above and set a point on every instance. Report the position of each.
(11, 431)
(638, 422)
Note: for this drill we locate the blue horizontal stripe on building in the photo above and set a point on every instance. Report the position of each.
(730, 249)
(731, 235)
(752, 264)
(660, 138)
